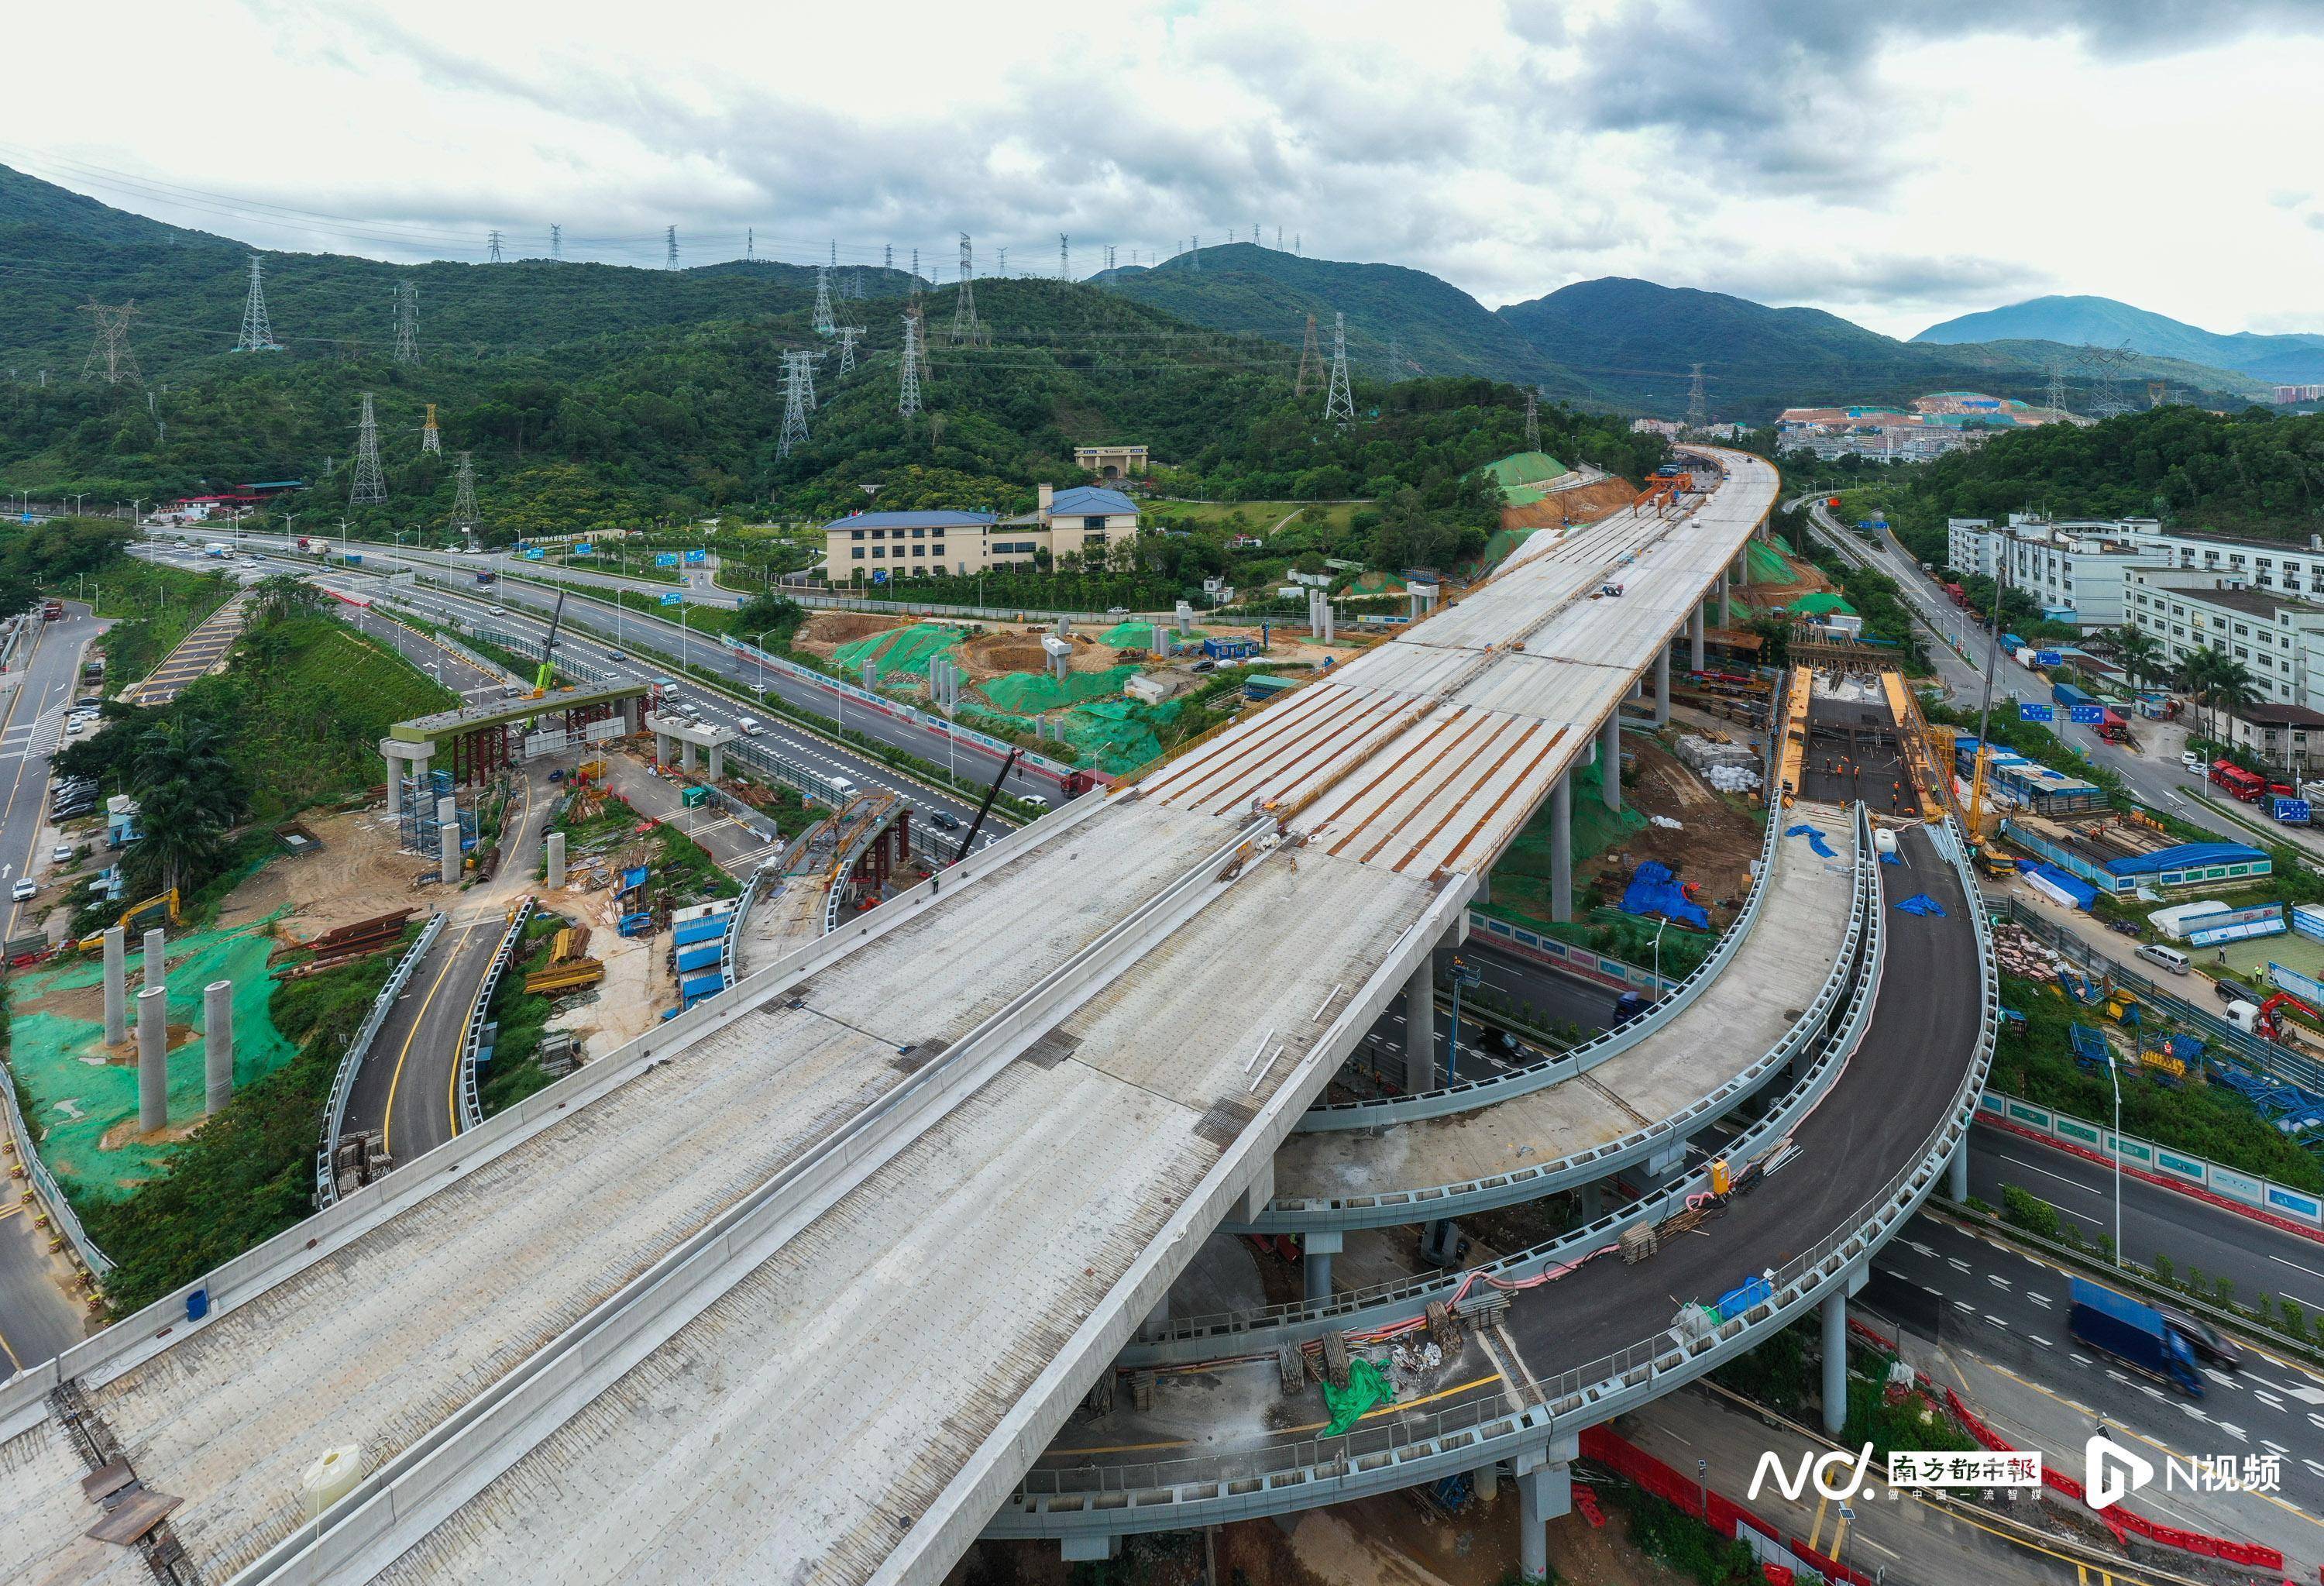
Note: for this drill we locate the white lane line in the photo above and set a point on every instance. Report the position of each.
(2042, 1300)
(2061, 1178)
(2296, 1267)
(2037, 1338)
(2234, 1431)
(1997, 1280)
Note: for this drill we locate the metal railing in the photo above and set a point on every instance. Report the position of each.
(1581, 1396)
(351, 1061)
(1486, 1089)
(472, 1031)
(45, 1188)
(730, 944)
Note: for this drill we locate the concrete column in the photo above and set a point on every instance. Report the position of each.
(447, 841)
(1546, 1493)
(420, 763)
(1420, 1029)
(1560, 849)
(157, 965)
(1694, 632)
(1957, 1172)
(1609, 761)
(1257, 1195)
(394, 783)
(1727, 597)
(116, 986)
(1835, 1363)
(1157, 1319)
(1593, 1207)
(686, 754)
(717, 762)
(152, 1060)
(1486, 1481)
(1662, 683)
(554, 854)
(1316, 1251)
(661, 748)
(218, 1046)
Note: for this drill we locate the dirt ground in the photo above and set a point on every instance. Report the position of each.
(1715, 846)
(826, 631)
(1584, 504)
(357, 874)
(630, 1000)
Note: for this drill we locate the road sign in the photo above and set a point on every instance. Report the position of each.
(2028, 711)
(2088, 714)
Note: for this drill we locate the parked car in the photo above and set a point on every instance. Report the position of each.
(1035, 800)
(23, 889)
(2198, 767)
(2189, 759)
(62, 853)
(76, 725)
(2122, 926)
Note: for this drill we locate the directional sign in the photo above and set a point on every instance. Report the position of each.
(673, 600)
(2089, 715)
(584, 549)
(664, 558)
(697, 556)
(2036, 713)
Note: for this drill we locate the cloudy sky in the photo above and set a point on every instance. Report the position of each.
(1893, 163)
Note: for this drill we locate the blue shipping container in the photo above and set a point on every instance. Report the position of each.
(2067, 694)
(702, 930)
(704, 957)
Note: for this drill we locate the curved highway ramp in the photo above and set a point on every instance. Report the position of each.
(800, 1284)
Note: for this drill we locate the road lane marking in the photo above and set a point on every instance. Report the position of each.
(387, 1114)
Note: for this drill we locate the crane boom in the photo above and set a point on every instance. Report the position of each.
(548, 672)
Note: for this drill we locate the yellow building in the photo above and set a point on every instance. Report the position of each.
(879, 548)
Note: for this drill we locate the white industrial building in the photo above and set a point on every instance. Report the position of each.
(2278, 637)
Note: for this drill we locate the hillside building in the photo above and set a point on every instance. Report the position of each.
(1084, 522)
(1112, 462)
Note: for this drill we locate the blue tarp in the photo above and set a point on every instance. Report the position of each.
(1653, 891)
(1892, 857)
(2184, 856)
(702, 930)
(2066, 881)
(1815, 839)
(1923, 904)
(635, 878)
(1735, 1301)
(693, 988)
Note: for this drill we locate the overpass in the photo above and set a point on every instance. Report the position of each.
(961, 1146)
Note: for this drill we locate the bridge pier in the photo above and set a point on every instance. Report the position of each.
(686, 754)
(218, 1046)
(116, 986)
(1546, 1490)
(1420, 1027)
(1610, 761)
(1835, 1362)
(1315, 1253)
(1727, 596)
(1662, 683)
(157, 968)
(447, 841)
(1561, 848)
(1078, 1549)
(152, 1060)
(1957, 1173)
(661, 748)
(553, 857)
(1694, 636)
(1487, 1481)
(717, 762)
(1590, 1203)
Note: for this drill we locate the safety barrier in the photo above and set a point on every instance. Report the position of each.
(2295, 1209)
(351, 1061)
(45, 1188)
(1412, 1449)
(1487, 1090)
(731, 943)
(1194, 1338)
(472, 1031)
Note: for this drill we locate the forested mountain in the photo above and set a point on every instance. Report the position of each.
(2253, 472)
(2290, 360)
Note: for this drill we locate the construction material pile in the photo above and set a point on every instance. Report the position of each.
(348, 942)
(2018, 954)
(1730, 768)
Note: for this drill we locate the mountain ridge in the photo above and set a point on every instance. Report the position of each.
(2084, 320)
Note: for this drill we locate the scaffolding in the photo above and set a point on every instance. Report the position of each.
(417, 830)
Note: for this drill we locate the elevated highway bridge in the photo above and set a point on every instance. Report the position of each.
(803, 1285)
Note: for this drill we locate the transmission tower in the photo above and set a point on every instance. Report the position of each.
(824, 323)
(966, 332)
(807, 361)
(670, 249)
(493, 245)
(887, 255)
(794, 404)
(370, 486)
(919, 313)
(1311, 360)
(908, 391)
(915, 289)
(1064, 258)
(1339, 403)
(407, 323)
(1698, 412)
(1532, 421)
(257, 336)
(431, 440)
(109, 357)
(556, 241)
(2106, 365)
(464, 494)
(750, 243)
(2055, 368)
(847, 335)
(2158, 393)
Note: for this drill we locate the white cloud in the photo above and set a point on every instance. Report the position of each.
(1897, 166)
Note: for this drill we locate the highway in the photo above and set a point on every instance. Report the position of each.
(37, 1320)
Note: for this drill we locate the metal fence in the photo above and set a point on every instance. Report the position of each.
(1585, 1395)
(342, 1083)
(472, 1032)
(45, 1188)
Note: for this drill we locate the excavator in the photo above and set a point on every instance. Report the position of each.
(137, 917)
(546, 674)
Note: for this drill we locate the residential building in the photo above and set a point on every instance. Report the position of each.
(1083, 522)
(2075, 571)
(2290, 736)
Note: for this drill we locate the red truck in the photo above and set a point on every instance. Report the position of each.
(1958, 595)
(2246, 786)
(50, 610)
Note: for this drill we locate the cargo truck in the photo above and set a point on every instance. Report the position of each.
(52, 609)
(216, 547)
(2068, 696)
(2138, 1335)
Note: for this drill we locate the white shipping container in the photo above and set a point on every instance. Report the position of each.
(2176, 921)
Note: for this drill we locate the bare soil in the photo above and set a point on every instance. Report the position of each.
(826, 631)
(1714, 848)
(1584, 504)
(356, 873)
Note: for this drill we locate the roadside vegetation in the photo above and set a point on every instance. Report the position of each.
(515, 1070)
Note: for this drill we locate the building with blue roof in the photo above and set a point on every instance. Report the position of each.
(1081, 523)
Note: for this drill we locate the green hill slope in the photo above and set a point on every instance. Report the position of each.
(2106, 322)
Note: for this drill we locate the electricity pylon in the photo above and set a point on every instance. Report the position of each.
(966, 331)
(109, 357)
(464, 494)
(794, 404)
(407, 323)
(257, 334)
(1311, 360)
(824, 323)
(1338, 402)
(370, 485)
(907, 392)
(847, 338)
(431, 440)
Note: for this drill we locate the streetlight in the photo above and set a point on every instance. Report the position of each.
(1464, 973)
(1658, 956)
(2116, 1151)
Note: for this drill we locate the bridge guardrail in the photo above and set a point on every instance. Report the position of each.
(45, 1188)
(1189, 1339)
(351, 1061)
(1164, 1494)
(1541, 1178)
(472, 1031)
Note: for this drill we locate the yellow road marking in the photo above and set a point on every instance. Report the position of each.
(387, 1118)
(452, 1085)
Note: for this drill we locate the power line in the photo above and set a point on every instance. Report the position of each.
(257, 334)
(407, 323)
(370, 486)
(1338, 402)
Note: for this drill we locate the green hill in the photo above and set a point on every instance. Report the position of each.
(2088, 321)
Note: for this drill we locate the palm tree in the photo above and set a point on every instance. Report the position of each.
(2195, 672)
(2233, 690)
(2135, 648)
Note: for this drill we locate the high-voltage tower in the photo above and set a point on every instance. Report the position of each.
(908, 393)
(966, 331)
(1532, 421)
(848, 334)
(670, 249)
(257, 336)
(825, 325)
(109, 359)
(431, 440)
(556, 241)
(464, 494)
(1339, 402)
(493, 245)
(795, 387)
(407, 323)
(1698, 410)
(370, 485)
(1064, 258)
(1311, 361)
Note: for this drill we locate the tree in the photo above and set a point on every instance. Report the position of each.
(188, 797)
(2138, 652)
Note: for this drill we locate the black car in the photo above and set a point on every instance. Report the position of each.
(1500, 1043)
(2212, 1347)
(944, 823)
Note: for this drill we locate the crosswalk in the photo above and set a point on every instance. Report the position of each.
(38, 737)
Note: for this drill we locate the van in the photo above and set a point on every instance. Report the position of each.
(751, 726)
(842, 787)
(2170, 958)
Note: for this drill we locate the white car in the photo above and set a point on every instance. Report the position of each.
(75, 724)
(497, 611)
(2189, 759)
(62, 853)
(24, 890)
(2198, 767)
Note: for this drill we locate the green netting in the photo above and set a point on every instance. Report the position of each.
(1765, 564)
(1141, 635)
(1031, 693)
(1368, 1385)
(1500, 543)
(901, 649)
(1377, 581)
(1596, 830)
(56, 1033)
(1524, 468)
(1822, 604)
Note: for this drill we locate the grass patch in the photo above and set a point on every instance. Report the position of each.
(157, 607)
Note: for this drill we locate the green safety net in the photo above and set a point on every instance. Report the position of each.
(1368, 1385)
(1521, 877)
(1766, 564)
(1031, 693)
(1376, 581)
(56, 1033)
(900, 649)
(1526, 468)
(1821, 604)
(1501, 543)
(1141, 635)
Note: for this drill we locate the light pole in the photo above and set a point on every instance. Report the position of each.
(2115, 1150)
(1658, 956)
(1464, 975)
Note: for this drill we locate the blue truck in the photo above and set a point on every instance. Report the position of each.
(2137, 1334)
(2065, 693)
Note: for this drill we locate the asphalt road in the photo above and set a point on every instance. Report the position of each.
(406, 1086)
(37, 1320)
